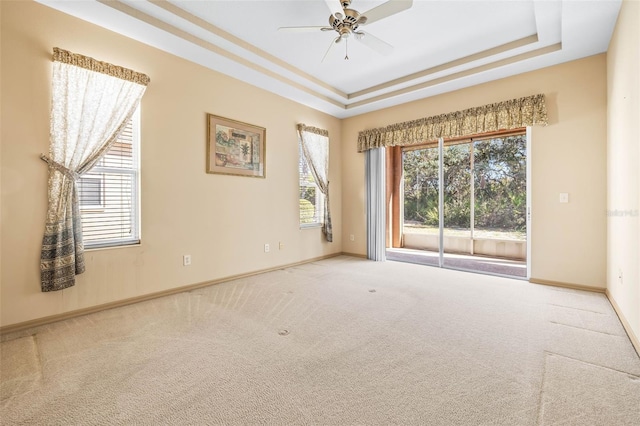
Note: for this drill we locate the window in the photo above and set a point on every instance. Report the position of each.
(108, 193)
(311, 198)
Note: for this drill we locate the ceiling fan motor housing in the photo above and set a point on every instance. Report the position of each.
(345, 26)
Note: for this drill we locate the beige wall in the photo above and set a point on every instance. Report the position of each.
(183, 209)
(569, 155)
(222, 221)
(623, 78)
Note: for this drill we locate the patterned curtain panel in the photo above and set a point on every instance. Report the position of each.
(507, 115)
(91, 104)
(315, 148)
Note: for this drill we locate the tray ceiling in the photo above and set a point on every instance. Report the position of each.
(439, 46)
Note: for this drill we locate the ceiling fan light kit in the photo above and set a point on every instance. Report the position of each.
(347, 22)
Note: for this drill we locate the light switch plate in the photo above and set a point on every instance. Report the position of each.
(564, 197)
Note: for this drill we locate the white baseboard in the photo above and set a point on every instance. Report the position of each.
(567, 285)
(627, 327)
(116, 304)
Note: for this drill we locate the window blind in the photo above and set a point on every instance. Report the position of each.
(311, 198)
(108, 194)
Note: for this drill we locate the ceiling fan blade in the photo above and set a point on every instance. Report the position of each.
(374, 43)
(303, 29)
(337, 40)
(387, 9)
(335, 6)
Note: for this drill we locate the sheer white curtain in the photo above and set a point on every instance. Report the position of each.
(91, 104)
(375, 184)
(315, 147)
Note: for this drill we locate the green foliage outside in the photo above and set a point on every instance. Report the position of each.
(306, 211)
(308, 191)
(499, 177)
(308, 197)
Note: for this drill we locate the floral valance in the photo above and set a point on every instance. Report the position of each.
(314, 130)
(527, 111)
(88, 63)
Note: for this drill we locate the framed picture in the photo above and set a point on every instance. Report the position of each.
(235, 148)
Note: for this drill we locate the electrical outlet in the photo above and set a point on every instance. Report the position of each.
(352, 237)
(186, 260)
(266, 248)
(281, 245)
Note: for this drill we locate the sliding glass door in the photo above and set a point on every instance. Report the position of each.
(465, 204)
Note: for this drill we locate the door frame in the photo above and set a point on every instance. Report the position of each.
(395, 194)
(529, 199)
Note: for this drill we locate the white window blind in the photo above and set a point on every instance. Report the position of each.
(91, 191)
(108, 194)
(311, 198)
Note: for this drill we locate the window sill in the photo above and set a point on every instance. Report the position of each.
(310, 225)
(111, 247)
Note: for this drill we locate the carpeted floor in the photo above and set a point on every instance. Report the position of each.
(342, 341)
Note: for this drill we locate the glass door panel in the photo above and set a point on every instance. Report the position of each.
(500, 211)
(421, 235)
(457, 204)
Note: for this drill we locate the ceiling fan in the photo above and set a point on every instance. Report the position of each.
(346, 22)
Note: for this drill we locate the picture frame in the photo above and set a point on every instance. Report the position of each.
(235, 148)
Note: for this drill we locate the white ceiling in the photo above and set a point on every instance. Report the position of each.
(439, 45)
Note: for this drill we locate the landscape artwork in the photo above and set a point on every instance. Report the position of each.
(235, 148)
